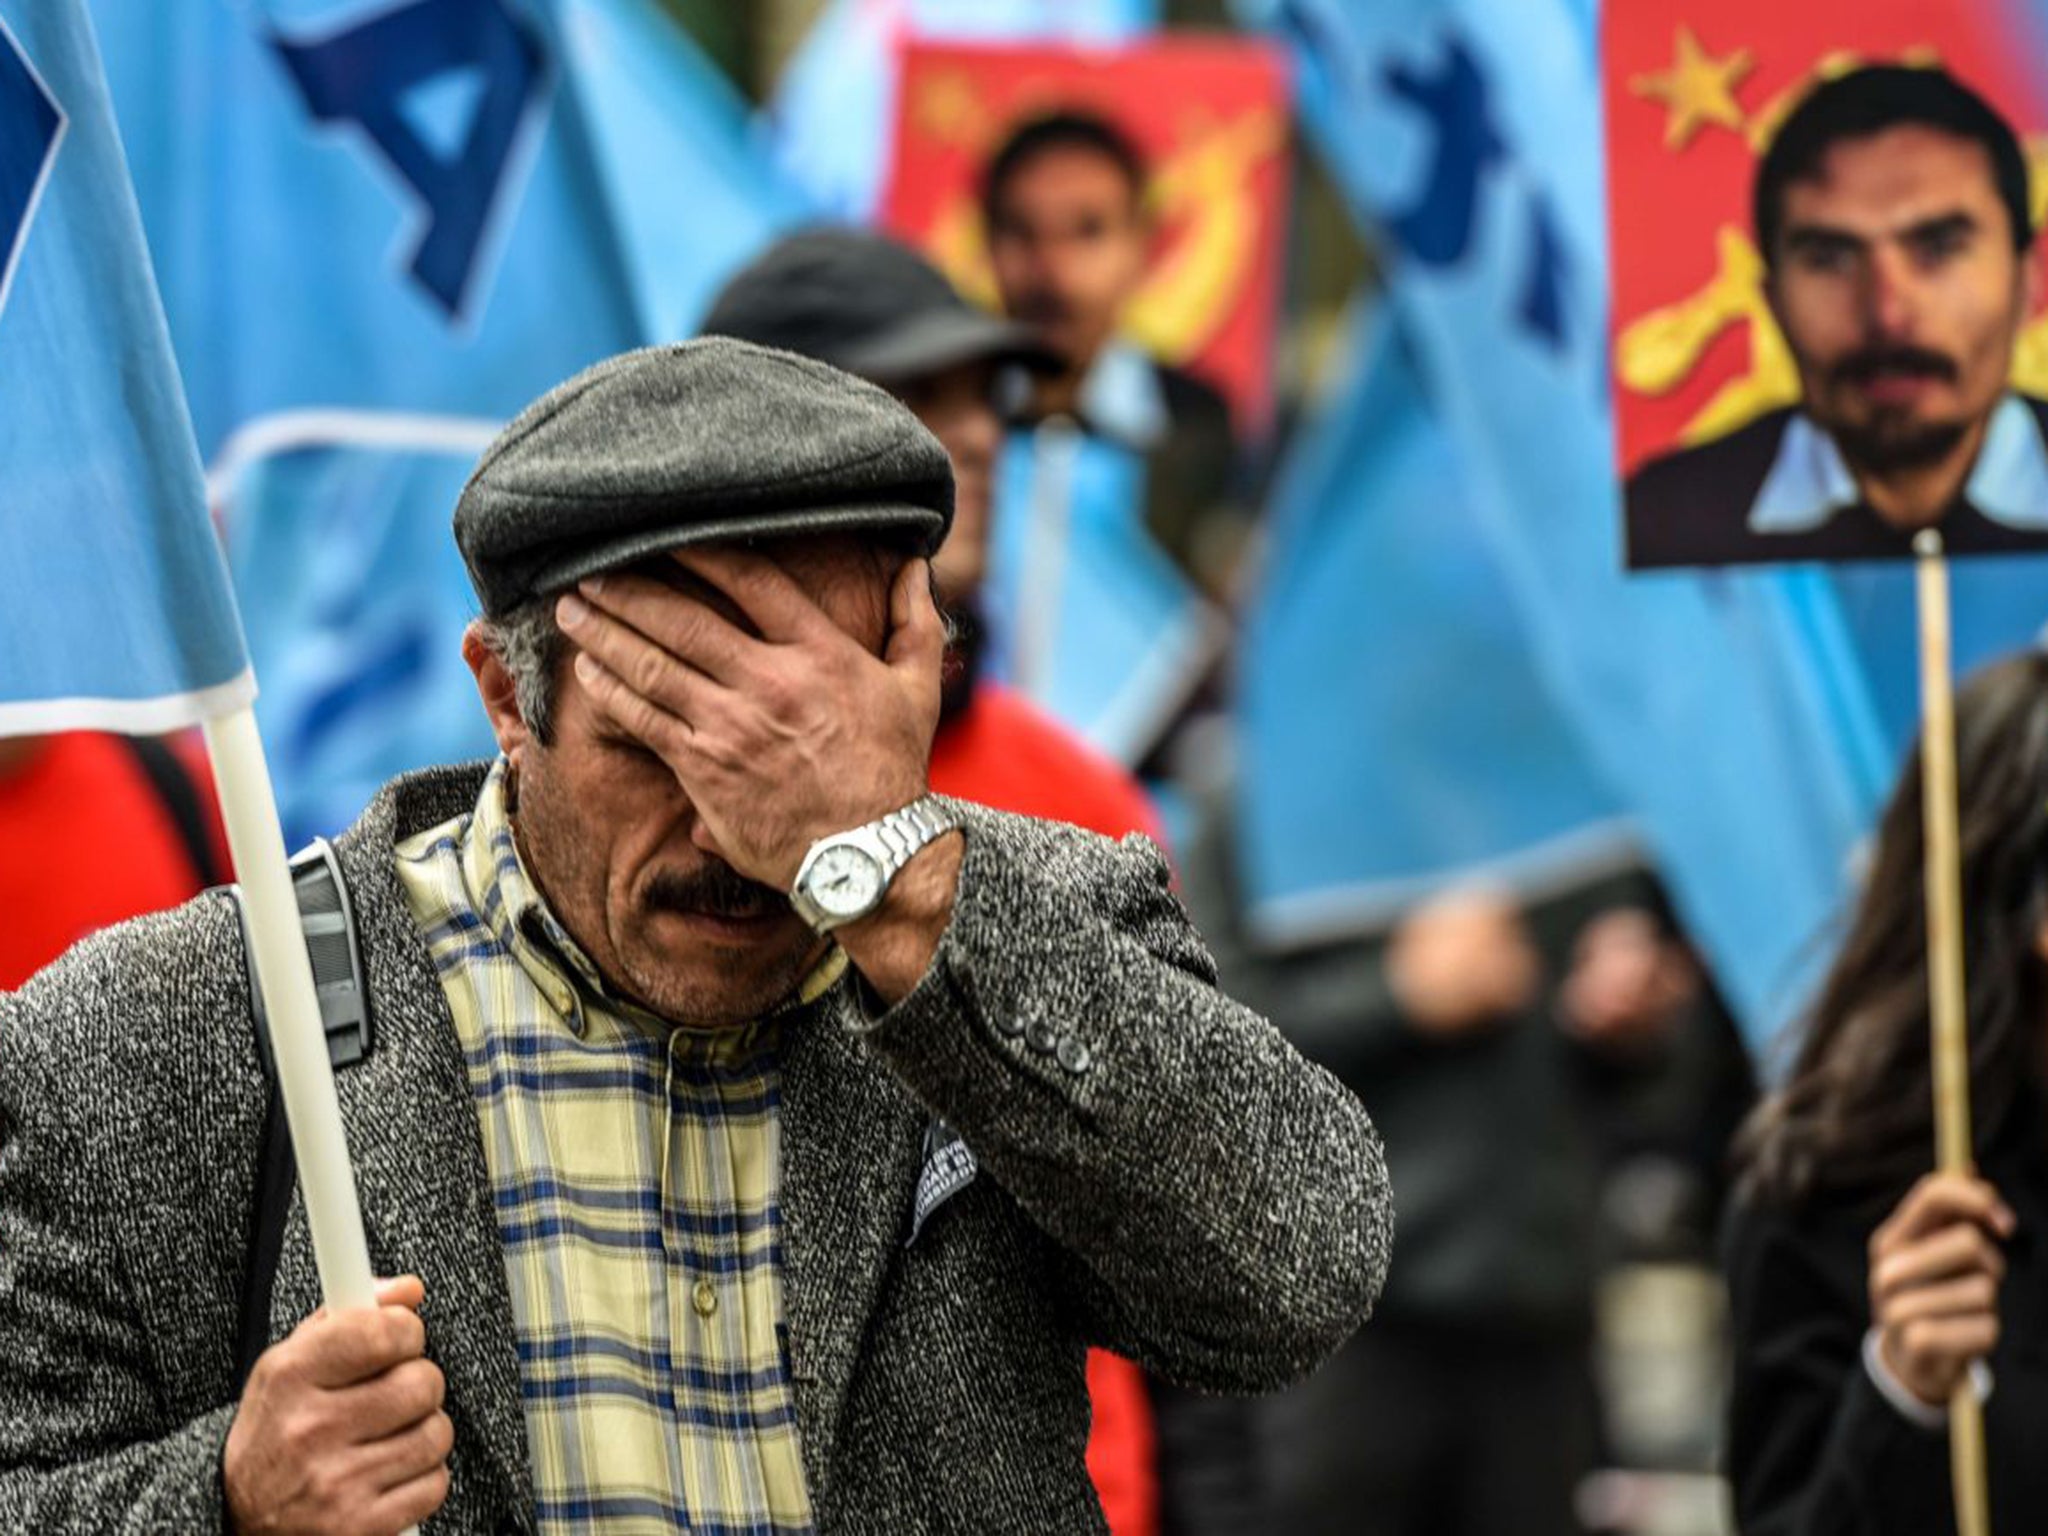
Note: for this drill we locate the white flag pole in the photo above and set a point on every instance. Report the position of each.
(1055, 449)
(298, 1042)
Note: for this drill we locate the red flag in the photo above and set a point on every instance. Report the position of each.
(1211, 118)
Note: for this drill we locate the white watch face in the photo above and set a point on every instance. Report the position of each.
(845, 881)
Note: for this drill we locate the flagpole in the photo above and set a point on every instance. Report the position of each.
(1950, 1041)
(1055, 446)
(298, 1041)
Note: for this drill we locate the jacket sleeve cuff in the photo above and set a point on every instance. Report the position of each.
(970, 1020)
(1907, 1403)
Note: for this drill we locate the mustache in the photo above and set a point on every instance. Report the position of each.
(1874, 363)
(1039, 309)
(716, 890)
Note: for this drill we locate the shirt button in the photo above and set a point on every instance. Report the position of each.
(1073, 1054)
(704, 1297)
(1042, 1035)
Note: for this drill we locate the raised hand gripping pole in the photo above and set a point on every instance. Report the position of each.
(1950, 1040)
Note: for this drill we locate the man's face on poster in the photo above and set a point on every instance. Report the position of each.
(1069, 241)
(1899, 291)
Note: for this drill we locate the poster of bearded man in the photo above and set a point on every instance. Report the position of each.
(1827, 282)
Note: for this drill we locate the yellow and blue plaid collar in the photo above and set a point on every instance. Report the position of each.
(505, 899)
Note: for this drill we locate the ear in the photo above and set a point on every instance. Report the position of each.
(2041, 940)
(2030, 282)
(501, 699)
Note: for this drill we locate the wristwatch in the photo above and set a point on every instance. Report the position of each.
(845, 876)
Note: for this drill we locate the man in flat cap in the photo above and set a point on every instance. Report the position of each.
(758, 1138)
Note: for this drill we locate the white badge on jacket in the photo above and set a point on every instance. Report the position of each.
(949, 1167)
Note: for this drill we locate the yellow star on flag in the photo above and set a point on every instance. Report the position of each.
(947, 107)
(1698, 89)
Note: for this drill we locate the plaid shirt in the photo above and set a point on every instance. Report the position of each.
(635, 1169)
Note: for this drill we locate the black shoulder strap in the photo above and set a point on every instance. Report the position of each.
(329, 924)
(276, 1171)
(180, 798)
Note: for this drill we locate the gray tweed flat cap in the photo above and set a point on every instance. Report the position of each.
(698, 442)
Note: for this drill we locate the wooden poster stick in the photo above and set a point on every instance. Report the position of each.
(1950, 1042)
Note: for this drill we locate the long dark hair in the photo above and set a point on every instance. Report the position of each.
(1856, 1115)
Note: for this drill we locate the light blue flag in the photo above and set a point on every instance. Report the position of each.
(382, 229)
(1394, 735)
(1086, 615)
(833, 114)
(1728, 710)
(1998, 605)
(115, 612)
(356, 601)
(686, 168)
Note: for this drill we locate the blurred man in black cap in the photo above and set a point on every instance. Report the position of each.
(758, 1136)
(869, 304)
(865, 303)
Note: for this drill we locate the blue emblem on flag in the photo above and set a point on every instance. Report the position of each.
(445, 91)
(31, 123)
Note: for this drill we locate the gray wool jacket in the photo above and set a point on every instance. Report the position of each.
(1159, 1173)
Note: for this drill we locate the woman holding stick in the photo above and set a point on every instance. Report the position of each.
(1865, 1288)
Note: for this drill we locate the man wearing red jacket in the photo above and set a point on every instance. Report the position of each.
(864, 303)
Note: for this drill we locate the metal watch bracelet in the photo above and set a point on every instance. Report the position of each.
(890, 841)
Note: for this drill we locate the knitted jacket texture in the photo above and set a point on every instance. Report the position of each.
(1159, 1173)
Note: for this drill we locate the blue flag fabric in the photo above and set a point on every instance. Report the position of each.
(1395, 736)
(357, 599)
(115, 610)
(1999, 605)
(1728, 710)
(1087, 616)
(381, 230)
(689, 181)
